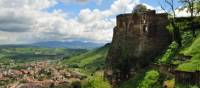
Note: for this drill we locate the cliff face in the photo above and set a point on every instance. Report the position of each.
(138, 38)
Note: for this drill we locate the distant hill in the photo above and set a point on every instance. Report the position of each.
(90, 61)
(17, 46)
(57, 44)
(68, 44)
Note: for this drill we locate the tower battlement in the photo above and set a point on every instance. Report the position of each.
(138, 39)
(149, 17)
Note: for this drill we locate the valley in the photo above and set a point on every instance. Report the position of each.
(39, 74)
(37, 67)
(85, 68)
(99, 43)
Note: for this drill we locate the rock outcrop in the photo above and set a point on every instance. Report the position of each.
(138, 38)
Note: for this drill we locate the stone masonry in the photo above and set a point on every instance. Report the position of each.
(138, 38)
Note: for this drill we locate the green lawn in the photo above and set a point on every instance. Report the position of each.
(194, 51)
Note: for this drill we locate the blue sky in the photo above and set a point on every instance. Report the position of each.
(75, 8)
(30, 21)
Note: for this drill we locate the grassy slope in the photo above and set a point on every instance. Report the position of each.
(146, 79)
(194, 51)
(90, 61)
(94, 59)
(191, 48)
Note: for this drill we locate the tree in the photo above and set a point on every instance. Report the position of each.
(193, 8)
(176, 30)
(197, 4)
(139, 8)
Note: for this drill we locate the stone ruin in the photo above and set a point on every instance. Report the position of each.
(138, 39)
(190, 78)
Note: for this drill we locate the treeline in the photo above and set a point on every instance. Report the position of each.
(191, 6)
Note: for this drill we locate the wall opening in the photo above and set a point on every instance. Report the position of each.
(145, 29)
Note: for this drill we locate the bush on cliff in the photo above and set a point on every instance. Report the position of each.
(133, 82)
(150, 79)
(194, 51)
(96, 82)
(170, 52)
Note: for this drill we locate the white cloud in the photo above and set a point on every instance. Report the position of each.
(185, 13)
(27, 4)
(80, 1)
(182, 13)
(25, 21)
(122, 6)
(98, 25)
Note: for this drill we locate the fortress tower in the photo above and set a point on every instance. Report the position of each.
(138, 39)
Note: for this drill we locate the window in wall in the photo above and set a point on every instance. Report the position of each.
(145, 29)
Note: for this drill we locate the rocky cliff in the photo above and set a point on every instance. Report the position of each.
(138, 38)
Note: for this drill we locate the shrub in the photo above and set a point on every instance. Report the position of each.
(133, 82)
(151, 77)
(96, 82)
(170, 52)
(194, 51)
(187, 38)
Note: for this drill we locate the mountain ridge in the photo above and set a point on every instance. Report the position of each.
(58, 44)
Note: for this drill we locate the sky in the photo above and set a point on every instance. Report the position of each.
(31, 21)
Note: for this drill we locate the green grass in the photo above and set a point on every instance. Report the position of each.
(191, 47)
(133, 82)
(5, 61)
(194, 51)
(96, 82)
(169, 53)
(91, 64)
(27, 54)
(90, 61)
(150, 79)
(45, 51)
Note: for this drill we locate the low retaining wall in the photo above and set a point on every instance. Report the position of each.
(190, 78)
